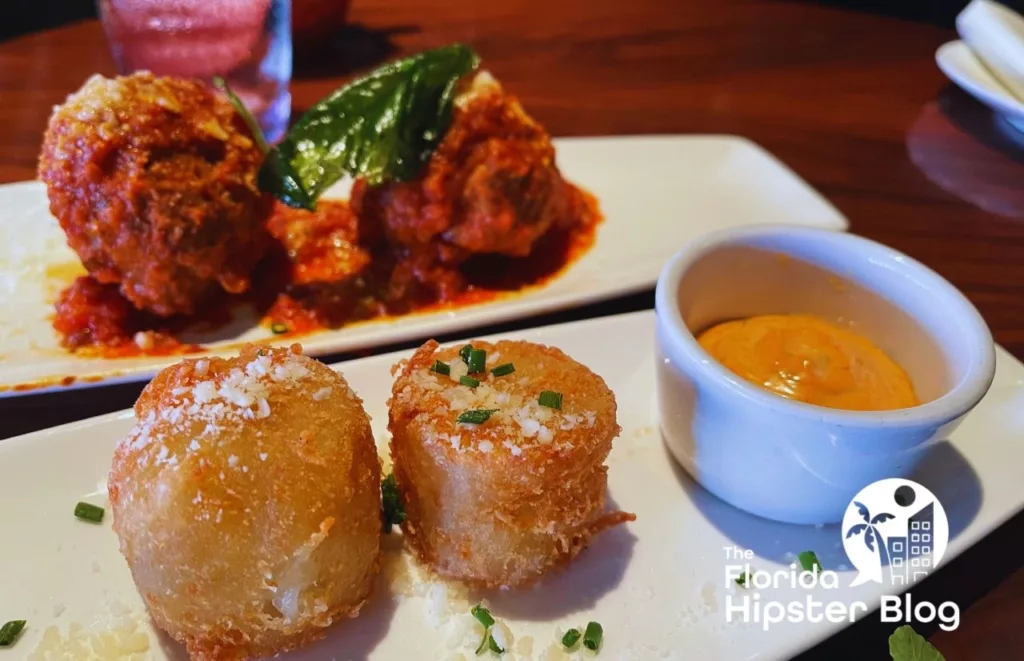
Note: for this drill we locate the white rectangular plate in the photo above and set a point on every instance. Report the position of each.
(656, 193)
(658, 584)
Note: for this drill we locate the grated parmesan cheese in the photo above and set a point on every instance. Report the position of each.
(125, 640)
(447, 609)
(242, 393)
(518, 424)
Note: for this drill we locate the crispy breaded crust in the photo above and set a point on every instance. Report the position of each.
(503, 502)
(247, 502)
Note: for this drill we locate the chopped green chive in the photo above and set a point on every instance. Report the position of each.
(441, 368)
(571, 637)
(809, 561)
(278, 328)
(592, 636)
(743, 579)
(477, 361)
(391, 501)
(9, 632)
(464, 353)
(482, 615)
(476, 416)
(503, 370)
(550, 399)
(468, 381)
(261, 352)
(89, 512)
(483, 642)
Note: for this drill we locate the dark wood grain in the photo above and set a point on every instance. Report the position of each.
(853, 102)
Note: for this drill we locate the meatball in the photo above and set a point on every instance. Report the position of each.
(153, 180)
(499, 502)
(246, 500)
(492, 186)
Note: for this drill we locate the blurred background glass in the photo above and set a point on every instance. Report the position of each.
(246, 42)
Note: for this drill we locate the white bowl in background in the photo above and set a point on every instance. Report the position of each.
(962, 66)
(995, 34)
(787, 460)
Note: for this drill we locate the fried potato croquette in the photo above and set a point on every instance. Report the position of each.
(153, 180)
(499, 503)
(247, 502)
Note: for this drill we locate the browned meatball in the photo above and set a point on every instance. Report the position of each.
(154, 182)
(492, 186)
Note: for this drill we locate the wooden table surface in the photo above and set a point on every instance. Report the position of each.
(852, 102)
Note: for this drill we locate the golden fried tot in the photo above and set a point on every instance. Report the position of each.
(498, 487)
(247, 502)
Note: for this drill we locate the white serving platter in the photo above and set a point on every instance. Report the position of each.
(656, 192)
(658, 584)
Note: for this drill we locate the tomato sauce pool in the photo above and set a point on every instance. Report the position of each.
(300, 287)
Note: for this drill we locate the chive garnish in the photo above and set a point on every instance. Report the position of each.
(494, 645)
(550, 399)
(89, 512)
(809, 561)
(464, 353)
(592, 637)
(468, 381)
(391, 501)
(483, 642)
(482, 615)
(477, 361)
(9, 632)
(571, 637)
(743, 579)
(503, 370)
(476, 416)
(441, 368)
(278, 328)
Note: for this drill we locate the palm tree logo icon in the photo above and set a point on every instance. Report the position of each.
(874, 540)
(894, 532)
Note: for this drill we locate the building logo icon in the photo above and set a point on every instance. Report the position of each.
(895, 531)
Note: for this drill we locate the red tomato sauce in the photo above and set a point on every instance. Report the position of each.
(318, 276)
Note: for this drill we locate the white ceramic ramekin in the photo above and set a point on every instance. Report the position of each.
(786, 460)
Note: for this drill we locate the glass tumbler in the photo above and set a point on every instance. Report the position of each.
(248, 43)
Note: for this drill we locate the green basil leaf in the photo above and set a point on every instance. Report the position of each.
(379, 127)
(905, 644)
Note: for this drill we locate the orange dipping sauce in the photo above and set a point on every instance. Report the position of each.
(810, 360)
